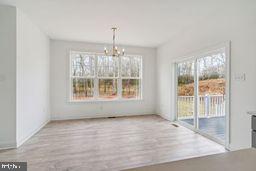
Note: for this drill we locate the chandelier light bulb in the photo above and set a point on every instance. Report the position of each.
(105, 50)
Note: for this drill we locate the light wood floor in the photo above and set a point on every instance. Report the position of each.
(109, 144)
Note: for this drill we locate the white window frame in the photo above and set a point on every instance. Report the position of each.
(119, 78)
(86, 77)
(138, 78)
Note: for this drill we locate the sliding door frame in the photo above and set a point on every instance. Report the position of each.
(195, 57)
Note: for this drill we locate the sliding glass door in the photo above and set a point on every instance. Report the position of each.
(201, 94)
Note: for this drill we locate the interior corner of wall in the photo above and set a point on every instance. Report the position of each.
(164, 116)
(8, 145)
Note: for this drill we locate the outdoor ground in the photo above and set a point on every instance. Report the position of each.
(212, 86)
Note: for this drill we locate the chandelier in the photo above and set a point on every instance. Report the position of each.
(114, 51)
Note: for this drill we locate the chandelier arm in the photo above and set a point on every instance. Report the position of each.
(114, 42)
(115, 52)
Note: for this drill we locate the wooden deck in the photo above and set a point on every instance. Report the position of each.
(214, 126)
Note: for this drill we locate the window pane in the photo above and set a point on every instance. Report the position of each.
(107, 66)
(131, 66)
(108, 88)
(185, 91)
(82, 88)
(131, 88)
(82, 65)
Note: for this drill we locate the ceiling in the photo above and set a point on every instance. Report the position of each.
(147, 23)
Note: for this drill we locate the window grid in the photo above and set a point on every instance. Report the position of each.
(128, 76)
(118, 77)
(82, 75)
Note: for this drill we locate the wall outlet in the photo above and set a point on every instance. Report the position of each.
(240, 77)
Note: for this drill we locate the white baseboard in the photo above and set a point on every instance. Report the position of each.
(165, 117)
(72, 117)
(7, 145)
(23, 140)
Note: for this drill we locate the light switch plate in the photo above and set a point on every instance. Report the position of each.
(240, 77)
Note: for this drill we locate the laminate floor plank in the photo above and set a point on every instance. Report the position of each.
(109, 144)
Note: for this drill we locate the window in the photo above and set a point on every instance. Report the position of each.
(107, 67)
(82, 76)
(100, 77)
(131, 77)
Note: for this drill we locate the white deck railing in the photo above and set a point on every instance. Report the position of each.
(209, 106)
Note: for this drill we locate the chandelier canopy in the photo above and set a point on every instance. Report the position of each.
(114, 51)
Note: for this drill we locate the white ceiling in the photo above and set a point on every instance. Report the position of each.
(141, 22)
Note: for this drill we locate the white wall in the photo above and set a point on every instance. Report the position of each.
(24, 78)
(7, 76)
(33, 79)
(237, 24)
(62, 109)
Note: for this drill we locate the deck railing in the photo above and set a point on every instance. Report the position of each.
(209, 106)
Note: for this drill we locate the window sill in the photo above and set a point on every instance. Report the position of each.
(104, 100)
